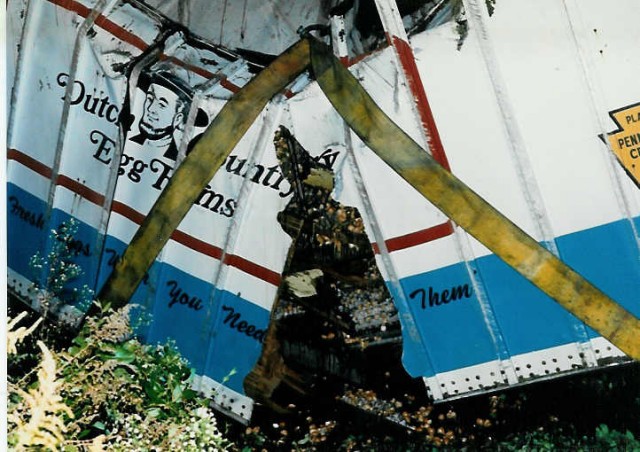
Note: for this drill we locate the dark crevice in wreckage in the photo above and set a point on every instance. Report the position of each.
(334, 329)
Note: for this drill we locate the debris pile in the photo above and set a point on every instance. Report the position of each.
(334, 322)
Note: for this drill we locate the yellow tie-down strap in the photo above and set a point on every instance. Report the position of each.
(466, 208)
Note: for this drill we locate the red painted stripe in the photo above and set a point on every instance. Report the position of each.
(357, 59)
(29, 162)
(408, 62)
(253, 269)
(195, 69)
(82, 190)
(416, 238)
(362, 56)
(197, 244)
(202, 72)
(127, 212)
(230, 86)
(187, 240)
(103, 23)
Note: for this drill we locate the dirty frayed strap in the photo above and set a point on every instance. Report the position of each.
(197, 170)
(398, 150)
(469, 210)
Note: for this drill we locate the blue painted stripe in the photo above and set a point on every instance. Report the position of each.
(455, 333)
(220, 338)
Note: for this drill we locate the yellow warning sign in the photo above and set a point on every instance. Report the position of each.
(625, 141)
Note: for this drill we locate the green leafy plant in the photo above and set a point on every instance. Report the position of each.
(35, 413)
(110, 390)
(609, 439)
(155, 406)
(53, 272)
(107, 391)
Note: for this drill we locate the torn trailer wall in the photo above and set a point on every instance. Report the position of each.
(514, 112)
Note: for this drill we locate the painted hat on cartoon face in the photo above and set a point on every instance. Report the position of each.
(168, 80)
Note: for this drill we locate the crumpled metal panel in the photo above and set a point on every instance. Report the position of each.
(470, 322)
(502, 106)
(268, 27)
(512, 245)
(98, 66)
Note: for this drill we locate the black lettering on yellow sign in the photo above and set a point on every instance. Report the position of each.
(625, 141)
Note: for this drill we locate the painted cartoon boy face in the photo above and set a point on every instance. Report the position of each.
(162, 109)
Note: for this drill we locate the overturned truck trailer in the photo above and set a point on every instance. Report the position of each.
(494, 163)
